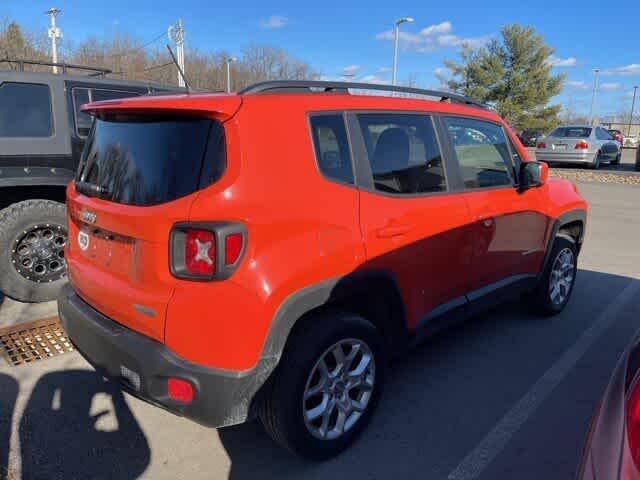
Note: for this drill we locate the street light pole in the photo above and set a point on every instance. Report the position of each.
(396, 32)
(229, 61)
(176, 34)
(54, 34)
(633, 105)
(596, 71)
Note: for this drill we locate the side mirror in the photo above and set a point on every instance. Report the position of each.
(533, 174)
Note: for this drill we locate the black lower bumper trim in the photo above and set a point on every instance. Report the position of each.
(142, 366)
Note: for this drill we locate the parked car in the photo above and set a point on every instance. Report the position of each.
(42, 134)
(529, 137)
(631, 141)
(266, 253)
(579, 144)
(612, 446)
(617, 135)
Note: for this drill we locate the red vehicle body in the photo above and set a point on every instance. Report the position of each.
(295, 248)
(612, 447)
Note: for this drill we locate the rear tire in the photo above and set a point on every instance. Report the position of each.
(616, 161)
(595, 164)
(18, 220)
(554, 289)
(289, 419)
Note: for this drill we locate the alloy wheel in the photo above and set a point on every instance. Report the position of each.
(38, 254)
(339, 389)
(562, 276)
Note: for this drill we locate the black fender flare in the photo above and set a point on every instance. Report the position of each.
(576, 215)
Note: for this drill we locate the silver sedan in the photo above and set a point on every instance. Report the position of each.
(579, 144)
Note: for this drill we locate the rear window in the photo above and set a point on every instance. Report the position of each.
(571, 132)
(143, 160)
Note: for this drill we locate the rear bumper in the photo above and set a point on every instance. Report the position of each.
(221, 397)
(565, 157)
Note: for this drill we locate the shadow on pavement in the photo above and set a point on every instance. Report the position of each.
(66, 431)
(425, 421)
(8, 396)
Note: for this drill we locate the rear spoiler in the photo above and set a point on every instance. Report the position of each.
(220, 106)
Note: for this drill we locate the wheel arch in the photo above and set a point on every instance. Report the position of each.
(571, 225)
(374, 295)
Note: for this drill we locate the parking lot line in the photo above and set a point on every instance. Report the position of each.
(494, 442)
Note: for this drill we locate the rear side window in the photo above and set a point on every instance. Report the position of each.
(143, 160)
(332, 147)
(403, 153)
(25, 110)
(482, 152)
(82, 95)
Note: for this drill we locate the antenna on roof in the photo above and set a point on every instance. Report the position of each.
(180, 71)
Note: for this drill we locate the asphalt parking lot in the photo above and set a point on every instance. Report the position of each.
(506, 395)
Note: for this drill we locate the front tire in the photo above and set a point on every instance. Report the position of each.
(326, 387)
(33, 234)
(554, 289)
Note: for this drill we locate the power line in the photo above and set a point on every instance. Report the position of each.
(155, 67)
(135, 49)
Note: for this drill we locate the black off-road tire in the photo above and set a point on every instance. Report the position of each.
(14, 221)
(281, 406)
(539, 299)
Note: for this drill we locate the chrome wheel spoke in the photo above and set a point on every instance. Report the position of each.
(562, 276)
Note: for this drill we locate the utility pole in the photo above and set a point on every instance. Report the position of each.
(396, 34)
(176, 34)
(596, 71)
(633, 106)
(229, 61)
(54, 33)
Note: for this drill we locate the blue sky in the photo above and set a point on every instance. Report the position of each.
(338, 35)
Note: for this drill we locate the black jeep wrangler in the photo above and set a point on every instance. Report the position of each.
(42, 134)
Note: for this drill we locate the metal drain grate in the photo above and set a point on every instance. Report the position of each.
(29, 342)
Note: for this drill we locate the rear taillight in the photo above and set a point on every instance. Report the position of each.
(206, 251)
(200, 252)
(633, 422)
(542, 145)
(582, 145)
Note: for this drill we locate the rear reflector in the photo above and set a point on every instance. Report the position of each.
(233, 247)
(582, 145)
(200, 252)
(180, 390)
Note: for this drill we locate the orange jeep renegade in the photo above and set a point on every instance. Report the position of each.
(266, 253)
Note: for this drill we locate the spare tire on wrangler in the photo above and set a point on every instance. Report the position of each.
(33, 234)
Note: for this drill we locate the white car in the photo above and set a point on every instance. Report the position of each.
(579, 144)
(631, 141)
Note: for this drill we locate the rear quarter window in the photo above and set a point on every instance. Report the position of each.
(25, 110)
(332, 147)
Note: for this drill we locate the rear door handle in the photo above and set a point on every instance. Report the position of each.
(395, 231)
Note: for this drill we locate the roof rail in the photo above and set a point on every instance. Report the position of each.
(274, 86)
(96, 71)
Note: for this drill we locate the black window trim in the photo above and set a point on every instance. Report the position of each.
(324, 113)
(90, 94)
(52, 109)
(510, 167)
(361, 155)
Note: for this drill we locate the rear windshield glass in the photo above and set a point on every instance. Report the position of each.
(147, 160)
(571, 132)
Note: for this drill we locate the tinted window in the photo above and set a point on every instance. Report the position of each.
(150, 160)
(84, 95)
(403, 153)
(25, 110)
(571, 132)
(481, 149)
(603, 134)
(332, 147)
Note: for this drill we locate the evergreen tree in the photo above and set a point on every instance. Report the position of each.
(514, 75)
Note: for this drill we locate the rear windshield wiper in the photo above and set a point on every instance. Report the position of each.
(91, 189)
